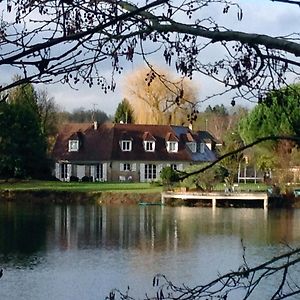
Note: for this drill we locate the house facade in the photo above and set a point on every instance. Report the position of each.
(127, 152)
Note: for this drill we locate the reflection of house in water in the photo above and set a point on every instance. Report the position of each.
(113, 227)
(150, 229)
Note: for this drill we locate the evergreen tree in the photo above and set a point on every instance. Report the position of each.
(23, 144)
(124, 112)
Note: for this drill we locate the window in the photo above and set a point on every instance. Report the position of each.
(192, 146)
(172, 146)
(149, 146)
(63, 171)
(99, 171)
(125, 167)
(150, 172)
(174, 167)
(126, 145)
(73, 145)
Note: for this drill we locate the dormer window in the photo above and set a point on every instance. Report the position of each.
(149, 146)
(126, 145)
(192, 146)
(73, 145)
(172, 146)
(149, 142)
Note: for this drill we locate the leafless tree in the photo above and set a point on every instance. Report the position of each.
(69, 41)
(240, 284)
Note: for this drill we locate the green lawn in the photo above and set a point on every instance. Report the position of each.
(80, 186)
(109, 187)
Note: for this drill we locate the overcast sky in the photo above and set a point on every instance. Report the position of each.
(260, 16)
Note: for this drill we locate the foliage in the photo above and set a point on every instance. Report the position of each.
(23, 146)
(278, 114)
(124, 112)
(232, 142)
(168, 176)
(207, 180)
(80, 115)
(217, 109)
(159, 98)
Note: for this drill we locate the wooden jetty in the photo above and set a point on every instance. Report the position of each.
(214, 196)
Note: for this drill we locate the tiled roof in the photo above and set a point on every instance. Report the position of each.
(95, 146)
(137, 132)
(147, 136)
(171, 137)
(103, 143)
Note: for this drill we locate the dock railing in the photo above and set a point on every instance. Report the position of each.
(215, 196)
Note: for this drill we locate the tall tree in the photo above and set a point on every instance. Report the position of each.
(23, 153)
(50, 116)
(124, 112)
(159, 98)
(278, 114)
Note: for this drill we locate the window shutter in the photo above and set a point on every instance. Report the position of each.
(57, 171)
(105, 171)
(158, 170)
(121, 167)
(180, 167)
(133, 167)
(142, 172)
(69, 169)
(93, 172)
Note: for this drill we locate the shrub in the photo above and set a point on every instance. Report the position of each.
(74, 179)
(168, 176)
(87, 179)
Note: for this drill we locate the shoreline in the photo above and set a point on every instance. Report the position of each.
(120, 197)
(68, 197)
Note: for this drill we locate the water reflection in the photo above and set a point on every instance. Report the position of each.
(29, 228)
(57, 242)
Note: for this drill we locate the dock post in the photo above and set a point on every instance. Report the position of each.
(162, 199)
(266, 203)
(214, 202)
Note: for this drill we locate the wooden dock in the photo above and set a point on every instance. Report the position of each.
(214, 197)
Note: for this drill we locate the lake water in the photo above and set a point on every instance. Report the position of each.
(83, 251)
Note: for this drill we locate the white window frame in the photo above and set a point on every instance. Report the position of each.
(172, 146)
(73, 145)
(149, 146)
(126, 145)
(150, 172)
(126, 167)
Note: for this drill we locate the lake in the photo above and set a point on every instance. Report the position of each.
(83, 251)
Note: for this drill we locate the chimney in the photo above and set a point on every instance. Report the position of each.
(95, 125)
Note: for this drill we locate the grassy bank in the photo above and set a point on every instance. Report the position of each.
(35, 185)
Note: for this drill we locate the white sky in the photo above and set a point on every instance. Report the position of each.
(262, 16)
